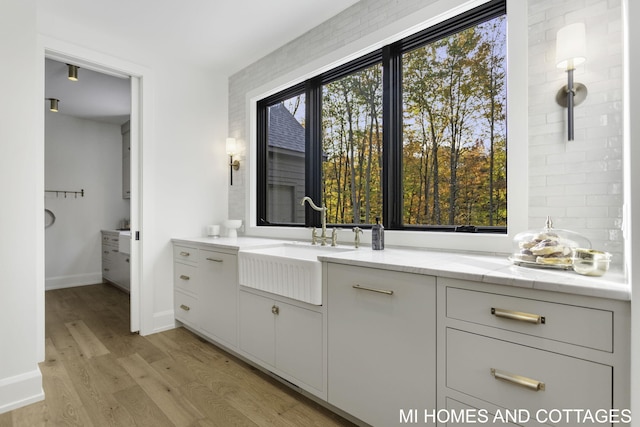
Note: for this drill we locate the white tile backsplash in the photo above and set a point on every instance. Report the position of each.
(579, 183)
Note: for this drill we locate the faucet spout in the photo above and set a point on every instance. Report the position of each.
(323, 210)
(313, 205)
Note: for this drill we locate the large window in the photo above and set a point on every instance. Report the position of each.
(414, 133)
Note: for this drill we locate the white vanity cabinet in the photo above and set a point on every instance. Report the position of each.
(504, 349)
(218, 276)
(284, 337)
(186, 286)
(381, 342)
(206, 291)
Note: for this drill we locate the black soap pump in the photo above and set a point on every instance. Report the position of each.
(377, 236)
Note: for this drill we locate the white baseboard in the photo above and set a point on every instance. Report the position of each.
(163, 321)
(20, 390)
(61, 282)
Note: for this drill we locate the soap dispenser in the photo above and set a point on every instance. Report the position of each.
(377, 236)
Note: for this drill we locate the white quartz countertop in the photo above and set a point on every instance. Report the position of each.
(494, 269)
(233, 243)
(486, 268)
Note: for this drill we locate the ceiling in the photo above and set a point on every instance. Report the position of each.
(95, 96)
(221, 35)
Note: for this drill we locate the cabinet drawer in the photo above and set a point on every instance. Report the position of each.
(108, 269)
(185, 253)
(587, 327)
(110, 239)
(184, 277)
(185, 308)
(568, 382)
(461, 414)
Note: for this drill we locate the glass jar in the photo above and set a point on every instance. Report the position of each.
(548, 247)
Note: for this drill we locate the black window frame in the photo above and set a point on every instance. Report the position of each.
(390, 56)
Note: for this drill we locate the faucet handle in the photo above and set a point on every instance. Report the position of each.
(358, 232)
(334, 237)
(314, 236)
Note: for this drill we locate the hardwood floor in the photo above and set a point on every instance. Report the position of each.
(96, 373)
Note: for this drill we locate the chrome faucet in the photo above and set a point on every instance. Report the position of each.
(323, 210)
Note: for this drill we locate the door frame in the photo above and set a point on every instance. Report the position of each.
(141, 133)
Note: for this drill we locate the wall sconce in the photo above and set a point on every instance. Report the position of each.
(233, 164)
(73, 72)
(571, 51)
(53, 104)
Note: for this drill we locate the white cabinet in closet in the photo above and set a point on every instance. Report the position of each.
(126, 160)
(115, 264)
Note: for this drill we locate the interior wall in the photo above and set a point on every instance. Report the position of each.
(80, 154)
(632, 157)
(182, 147)
(578, 183)
(21, 214)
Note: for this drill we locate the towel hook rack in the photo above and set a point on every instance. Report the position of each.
(65, 192)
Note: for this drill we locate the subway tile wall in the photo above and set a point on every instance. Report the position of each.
(578, 183)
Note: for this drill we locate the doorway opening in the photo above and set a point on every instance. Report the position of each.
(92, 158)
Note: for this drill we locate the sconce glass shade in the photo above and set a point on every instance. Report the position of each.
(571, 46)
(73, 72)
(231, 146)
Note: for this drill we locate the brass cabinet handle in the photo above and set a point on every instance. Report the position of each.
(518, 315)
(183, 253)
(525, 382)
(214, 259)
(275, 309)
(184, 277)
(185, 307)
(380, 291)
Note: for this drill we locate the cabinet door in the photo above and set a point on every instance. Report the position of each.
(121, 275)
(257, 327)
(126, 163)
(299, 344)
(218, 275)
(126, 178)
(381, 342)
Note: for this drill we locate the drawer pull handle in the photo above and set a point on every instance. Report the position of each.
(183, 253)
(185, 307)
(184, 277)
(536, 319)
(380, 291)
(275, 309)
(214, 259)
(518, 380)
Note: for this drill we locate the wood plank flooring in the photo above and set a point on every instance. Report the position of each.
(97, 373)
